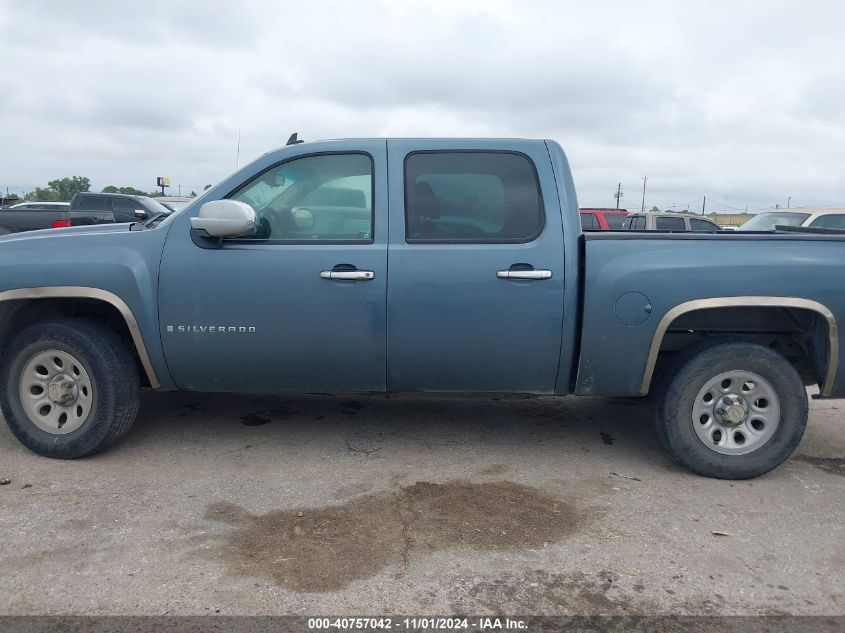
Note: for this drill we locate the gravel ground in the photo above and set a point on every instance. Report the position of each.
(409, 504)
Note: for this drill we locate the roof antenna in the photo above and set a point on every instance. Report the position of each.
(293, 140)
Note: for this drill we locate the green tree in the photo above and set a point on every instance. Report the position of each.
(193, 193)
(42, 195)
(65, 188)
(132, 191)
(654, 210)
(206, 188)
(127, 190)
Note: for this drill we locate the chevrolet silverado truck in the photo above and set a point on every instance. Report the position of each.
(420, 265)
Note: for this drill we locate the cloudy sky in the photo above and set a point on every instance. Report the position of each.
(743, 102)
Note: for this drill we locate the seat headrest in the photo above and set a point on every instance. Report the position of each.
(425, 201)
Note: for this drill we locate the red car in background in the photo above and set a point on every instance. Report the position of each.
(594, 219)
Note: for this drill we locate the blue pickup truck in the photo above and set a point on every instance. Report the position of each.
(425, 265)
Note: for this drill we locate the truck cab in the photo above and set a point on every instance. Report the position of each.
(476, 264)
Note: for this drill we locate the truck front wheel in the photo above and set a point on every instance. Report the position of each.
(70, 387)
(732, 410)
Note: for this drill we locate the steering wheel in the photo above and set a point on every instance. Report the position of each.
(271, 223)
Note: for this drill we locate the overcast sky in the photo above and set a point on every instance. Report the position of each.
(744, 100)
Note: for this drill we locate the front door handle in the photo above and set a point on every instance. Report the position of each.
(524, 274)
(348, 275)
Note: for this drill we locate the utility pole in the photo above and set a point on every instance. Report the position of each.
(618, 194)
(645, 179)
(238, 152)
(703, 204)
(788, 201)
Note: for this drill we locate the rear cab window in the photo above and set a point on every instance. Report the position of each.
(471, 197)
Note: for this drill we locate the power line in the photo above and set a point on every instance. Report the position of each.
(618, 195)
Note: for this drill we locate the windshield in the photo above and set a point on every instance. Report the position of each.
(156, 207)
(614, 220)
(768, 221)
(175, 204)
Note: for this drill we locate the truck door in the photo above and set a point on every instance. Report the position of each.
(476, 284)
(300, 307)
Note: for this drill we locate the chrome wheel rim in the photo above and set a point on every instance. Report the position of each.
(56, 392)
(736, 413)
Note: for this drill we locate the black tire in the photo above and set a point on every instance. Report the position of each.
(679, 385)
(114, 379)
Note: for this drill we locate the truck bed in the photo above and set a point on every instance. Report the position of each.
(634, 283)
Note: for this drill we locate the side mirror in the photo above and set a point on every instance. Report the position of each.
(225, 218)
(140, 214)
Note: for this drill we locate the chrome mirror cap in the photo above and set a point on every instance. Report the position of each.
(225, 218)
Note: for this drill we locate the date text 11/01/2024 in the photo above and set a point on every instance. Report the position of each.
(418, 623)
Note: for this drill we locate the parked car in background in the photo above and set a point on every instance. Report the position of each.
(174, 203)
(812, 217)
(83, 209)
(116, 207)
(41, 206)
(595, 219)
(668, 222)
(29, 216)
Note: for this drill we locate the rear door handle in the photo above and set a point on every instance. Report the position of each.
(524, 274)
(348, 275)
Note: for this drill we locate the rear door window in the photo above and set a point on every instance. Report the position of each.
(669, 224)
(464, 197)
(93, 203)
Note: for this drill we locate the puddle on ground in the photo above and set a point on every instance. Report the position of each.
(325, 549)
(834, 465)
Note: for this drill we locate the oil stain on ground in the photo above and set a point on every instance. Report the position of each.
(325, 549)
(254, 419)
(607, 438)
(834, 465)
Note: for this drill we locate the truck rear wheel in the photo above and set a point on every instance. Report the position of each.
(70, 388)
(731, 410)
